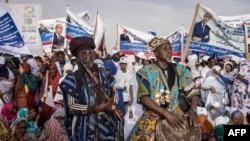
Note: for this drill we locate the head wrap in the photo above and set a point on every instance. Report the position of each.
(154, 43)
(80, 43)
(205, 124)
(9, 117)
(109, 64)
(53, 131)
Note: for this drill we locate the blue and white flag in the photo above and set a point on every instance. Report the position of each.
(222, 38)
(11, 41)
(75, 31)
(178, 39)
(85, 25)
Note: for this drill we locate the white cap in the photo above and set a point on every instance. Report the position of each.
(141, 55)
(114, 51)
(215, 104)
(2, 60)
(123, 60)
(205, 58)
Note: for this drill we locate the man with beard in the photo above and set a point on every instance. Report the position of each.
(158, 92)
(88, 116)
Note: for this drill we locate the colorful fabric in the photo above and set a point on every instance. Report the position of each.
(240, 94)
(150, 83)
(83, 126)
(53, 131)
(8, 117)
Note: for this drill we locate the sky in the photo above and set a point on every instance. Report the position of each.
(161, 16)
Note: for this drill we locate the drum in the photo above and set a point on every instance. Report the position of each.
(165, 132)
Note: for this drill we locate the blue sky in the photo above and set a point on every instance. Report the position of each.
(162, 16)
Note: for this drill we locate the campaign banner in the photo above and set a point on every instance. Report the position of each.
(11, 40)
(26, 17)
(178, 39)
(133, 41)
(58, 41)
(46, 30)
(85, 25)
(212, 34)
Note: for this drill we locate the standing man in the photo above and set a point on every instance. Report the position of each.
(158, 92)
(124, 36)
(89, 116)
(58, 39)
(201, 29)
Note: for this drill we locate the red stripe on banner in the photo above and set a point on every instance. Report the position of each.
(69, 37)
(128, 52)
(176, 53)
(248, 36)
(149, 54)
(46, 43)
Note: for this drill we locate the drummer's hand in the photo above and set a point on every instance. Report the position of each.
(177, 122)
(192, 117)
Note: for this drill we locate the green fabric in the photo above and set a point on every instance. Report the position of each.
(31, 80)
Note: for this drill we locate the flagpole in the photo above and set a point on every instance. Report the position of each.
(117, 39)
(95, 26)
(245, 42)
(184, 54)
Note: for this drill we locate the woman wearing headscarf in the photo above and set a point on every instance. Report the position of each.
(241, 89)
(25, 87)
(53, 131)
(29, 116)
(18, 130)
(9, 113)
(52, 83)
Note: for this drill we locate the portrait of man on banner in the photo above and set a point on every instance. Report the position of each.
(202, 30)
(58, 38)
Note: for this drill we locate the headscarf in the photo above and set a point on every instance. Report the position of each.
(110, 65)
(192, 59)
(53, 131)
(6, 116)
(31, 125)
(55, 82)
(230, 75)
(237, 117)
(205, 124)
(26, 67)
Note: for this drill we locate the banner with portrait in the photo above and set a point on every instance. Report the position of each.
(11, 41)
(212, 34)
(178, 39)
(131, 41)
(58, 41)
(46, 30)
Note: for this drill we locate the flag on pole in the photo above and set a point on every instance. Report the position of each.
(99, 33)
(215, 35)
(178, 39)
(11, 41)
(137, 40)
(74, 18)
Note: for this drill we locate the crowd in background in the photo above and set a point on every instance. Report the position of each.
(32, 106)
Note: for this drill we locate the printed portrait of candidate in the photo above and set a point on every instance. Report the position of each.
(124, 36)
(58, 39)
(201, 29)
